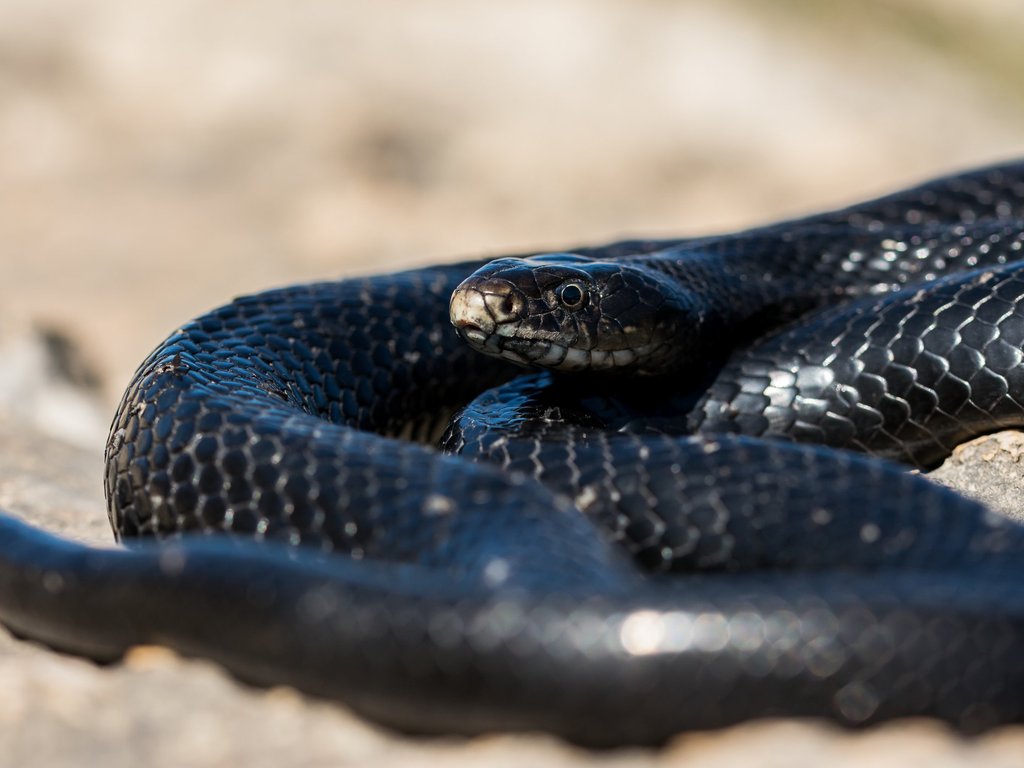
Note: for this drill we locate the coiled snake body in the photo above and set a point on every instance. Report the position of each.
(610, 581)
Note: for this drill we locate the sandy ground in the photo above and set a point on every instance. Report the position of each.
(157, 159)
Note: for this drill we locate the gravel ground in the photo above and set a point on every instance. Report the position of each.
(158, 158)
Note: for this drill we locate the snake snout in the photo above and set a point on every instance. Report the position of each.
(479, 308)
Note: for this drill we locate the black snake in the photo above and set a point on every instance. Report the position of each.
(651, 582)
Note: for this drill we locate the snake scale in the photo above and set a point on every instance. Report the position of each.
(609, 557)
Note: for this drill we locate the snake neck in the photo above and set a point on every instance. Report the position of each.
(742, 286)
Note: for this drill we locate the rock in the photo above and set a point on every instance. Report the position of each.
(988, 469)
(48, 381)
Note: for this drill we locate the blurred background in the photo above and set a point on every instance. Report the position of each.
(157, 159)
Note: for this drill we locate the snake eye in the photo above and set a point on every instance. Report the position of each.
(571, 295)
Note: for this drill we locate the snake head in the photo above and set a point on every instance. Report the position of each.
(570, 313)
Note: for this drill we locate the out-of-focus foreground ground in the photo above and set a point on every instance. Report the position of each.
(157, 159)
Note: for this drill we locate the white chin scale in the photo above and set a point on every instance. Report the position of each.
(547, 354)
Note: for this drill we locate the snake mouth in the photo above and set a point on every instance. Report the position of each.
(481, 337)
(476, 325)
(501, 340)
(474, 334)
(534, 353)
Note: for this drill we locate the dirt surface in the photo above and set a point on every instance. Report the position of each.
(157, 159)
